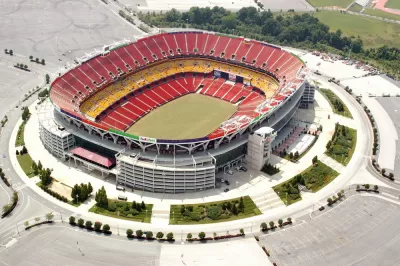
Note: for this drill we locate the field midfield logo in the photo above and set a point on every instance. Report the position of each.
(148, 139)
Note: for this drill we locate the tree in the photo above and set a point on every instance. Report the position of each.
(43, 62)
(241, 204)
(296, 155)
(106, 228)
(139, 233)
(129, 233)
(88, 224)
(37, 60)
(170, 236)
(47, 78)
(234, 209)
(75, 192)
(90, 188)
(72, 220)
(142, 206)
(189, 236)
(97, 226)
(366, 186)
(160, 235)
(202, 235)
(264, 226)
(383, 171)
(183, 209)
(101, 197)
(291, 155)
(11, 52)
(26, 66)
(24, 150)
(133, 206)
(391, 175)
(6, 51)
(17, 152)
(25, 114)
(289, 220)
(149, 234)
(81, 222)
(315, 159)
(30, 57)
(280, 222)
(49, 216)
(329, 201)
(40, 166)
(376, 187)
(35, 168)
(229, 21)
(26, 223)
(241, 231)
(6, 207)
(45, 177)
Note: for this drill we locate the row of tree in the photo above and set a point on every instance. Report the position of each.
(44, 173)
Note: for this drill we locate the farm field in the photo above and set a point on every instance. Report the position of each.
(373, 32)
(339, 3)
(190, 116)
(395, 4)
(380, 13)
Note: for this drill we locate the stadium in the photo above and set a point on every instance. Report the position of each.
(166, 112)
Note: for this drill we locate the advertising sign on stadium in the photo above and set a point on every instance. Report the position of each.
(232, 77)
(146, 139)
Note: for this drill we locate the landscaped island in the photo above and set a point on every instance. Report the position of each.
(213, 212)
(343, 144)
(336, 103)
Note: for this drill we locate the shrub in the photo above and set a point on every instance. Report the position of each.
(280, 222)
(170, 236)
(139, 233)
(202, 235)
(272, 224)
(189, 236)
(129, 233)
(241, 231)
(72, 220)
(264, 226)
(88, 225)
(149, 234)
(97, 226)
(81, 222)
(329, 201)
(289, 220)
(160, 235)
(106, 228)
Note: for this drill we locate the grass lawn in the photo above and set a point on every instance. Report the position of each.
(335, 102)
(26, 164)
(380, 13)
(197, 114)
(250, 209)
(339, 3)
(314, 178)
(373, 32)
(344, 146)
(395, 4)
(141, 217)
(19, 141)
(355, 8)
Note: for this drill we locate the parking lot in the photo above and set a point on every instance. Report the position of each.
(360, 231)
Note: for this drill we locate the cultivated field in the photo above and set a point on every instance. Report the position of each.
(190, 116)
(373, 32)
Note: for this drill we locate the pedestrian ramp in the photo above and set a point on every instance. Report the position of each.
(267, 201)
(160, 214)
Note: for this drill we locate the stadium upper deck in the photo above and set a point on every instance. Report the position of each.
(113, 90)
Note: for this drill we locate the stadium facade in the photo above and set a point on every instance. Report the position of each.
(94, 102)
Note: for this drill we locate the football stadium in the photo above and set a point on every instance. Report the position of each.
(166, 112)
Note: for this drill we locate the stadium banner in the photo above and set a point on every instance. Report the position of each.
(181, 140)
(217, 73)
(123, 134)
(146, 139)
(232, 77)
(71, 115)
(246, 82)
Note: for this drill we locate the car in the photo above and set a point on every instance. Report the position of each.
(227, 182)
(122, 197)
(121, 188)
(226, 190)
(242, 168)
(222, 180)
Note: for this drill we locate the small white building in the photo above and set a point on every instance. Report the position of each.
(259, 147)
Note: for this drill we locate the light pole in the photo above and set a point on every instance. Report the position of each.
(61, 218)
(77, 197)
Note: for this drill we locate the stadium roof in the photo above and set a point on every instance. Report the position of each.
(93, 157)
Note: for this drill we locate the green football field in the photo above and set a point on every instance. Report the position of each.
(190, 116)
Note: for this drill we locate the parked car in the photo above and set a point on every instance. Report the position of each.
(227, 182)
(121, 188)
(122, 197)
(226, 190)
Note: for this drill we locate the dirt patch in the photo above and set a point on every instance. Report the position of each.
(61, 189)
